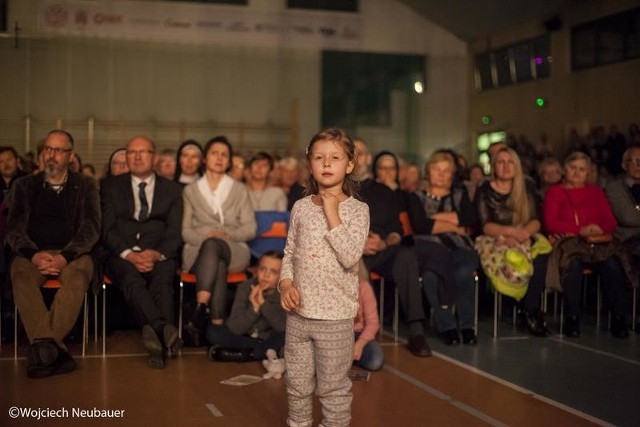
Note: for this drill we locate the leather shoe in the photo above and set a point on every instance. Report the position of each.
(171, 340)
(571, 328)
(450, 337)
(469, 337)
(535, 323)
(619, 327)
(222, 354)
(418, 346)
(39, 360)
(154, 347)
(197, 325)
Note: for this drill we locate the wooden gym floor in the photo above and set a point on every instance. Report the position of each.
(492, 384)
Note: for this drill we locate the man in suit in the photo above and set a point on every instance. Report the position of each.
(53, 223)
(142, 222)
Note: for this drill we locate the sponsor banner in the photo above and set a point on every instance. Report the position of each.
(197, 23)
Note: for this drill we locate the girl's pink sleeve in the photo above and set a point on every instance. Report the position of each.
(609, 223)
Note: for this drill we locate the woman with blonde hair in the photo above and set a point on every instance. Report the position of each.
(508, 210)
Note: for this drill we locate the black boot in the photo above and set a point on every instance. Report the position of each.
(197, 325)
(619, 327)
(535, 323)
(571, 328)
(221, 354)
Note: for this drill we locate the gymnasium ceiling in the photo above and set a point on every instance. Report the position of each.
(474, 19)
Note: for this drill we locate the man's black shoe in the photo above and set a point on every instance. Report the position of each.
(172, 343)
(154, 347)
(418, 346)
(39, 364)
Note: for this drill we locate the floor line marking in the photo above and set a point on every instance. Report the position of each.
(214, 410)
(524, 390)
(513, 386)
(447, 398)
(593, 350)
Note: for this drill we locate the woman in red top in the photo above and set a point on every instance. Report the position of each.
(577, 208)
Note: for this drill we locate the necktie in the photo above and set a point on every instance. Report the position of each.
(144, 204)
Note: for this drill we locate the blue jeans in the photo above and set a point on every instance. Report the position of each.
(222, 336)
(465, 262)
(372, 356)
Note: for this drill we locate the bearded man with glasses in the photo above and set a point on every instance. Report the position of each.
(53, 223)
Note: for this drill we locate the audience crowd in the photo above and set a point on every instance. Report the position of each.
(540, 220)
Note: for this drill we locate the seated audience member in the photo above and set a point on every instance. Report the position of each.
(264, 197)
(117, 163)
(51, 240)
(476, 178)
(624, 197)
(289, 173)
(165, 164)
(89, 170)
(188, 162)
(367, 352)
(76, 164)
(441, 217)
(142, 215)
(9, 170)
(508, 212)
(581, 210)
(257, 320)
(238, 168)
(218, 221)
(411, 179)
(386, 168)
(549, 173)
(384, 255)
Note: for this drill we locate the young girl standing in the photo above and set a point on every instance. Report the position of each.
(319, 283)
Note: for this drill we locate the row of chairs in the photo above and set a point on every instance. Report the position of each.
(272, 233)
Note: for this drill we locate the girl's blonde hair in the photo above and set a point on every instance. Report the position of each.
(340, 136)
(518, 200)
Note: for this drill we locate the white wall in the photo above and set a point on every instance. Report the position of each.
(112, 80)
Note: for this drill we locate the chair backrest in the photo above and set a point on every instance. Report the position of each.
(272, 232)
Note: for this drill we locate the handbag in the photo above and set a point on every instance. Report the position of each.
(592, 239)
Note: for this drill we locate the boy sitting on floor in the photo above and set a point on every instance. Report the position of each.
(257, 321)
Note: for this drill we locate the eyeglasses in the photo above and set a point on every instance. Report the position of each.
(55, 150)
(134, 153)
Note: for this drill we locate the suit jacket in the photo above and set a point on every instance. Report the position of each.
(160, 231)
(84, 214)
(199, 219)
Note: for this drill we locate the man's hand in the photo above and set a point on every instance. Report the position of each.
(44, 262)
(144, 261)
(374, 244)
